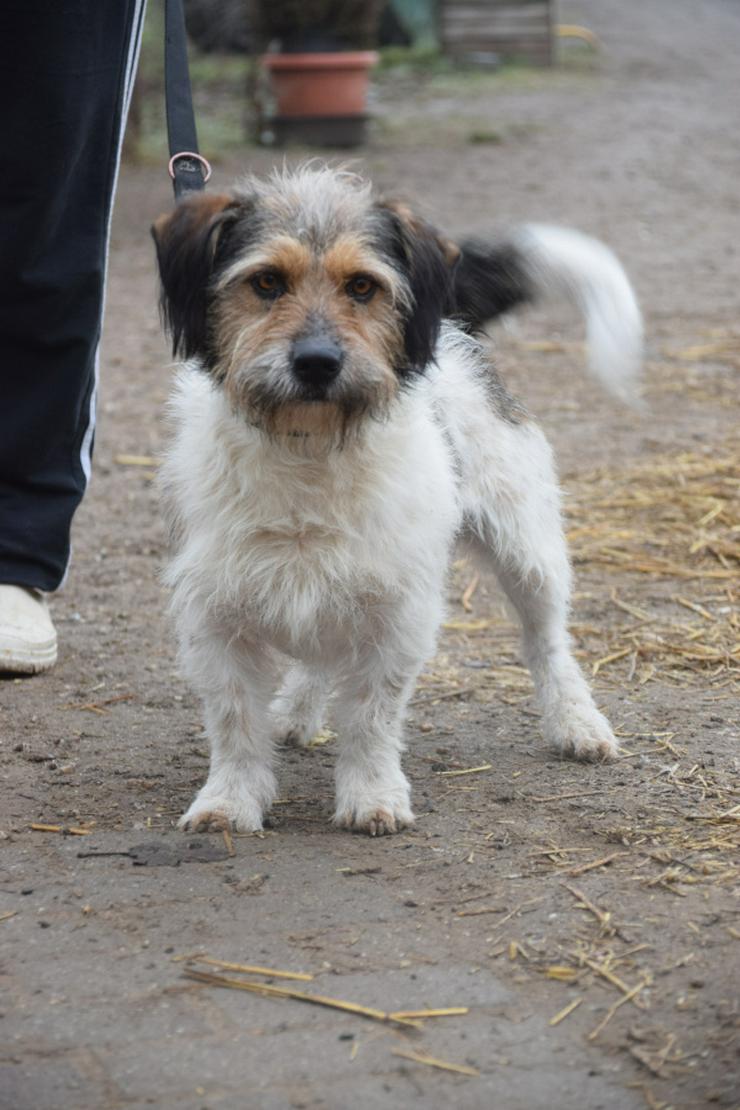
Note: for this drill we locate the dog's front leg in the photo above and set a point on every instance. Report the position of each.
(372, 792)
(236, 681)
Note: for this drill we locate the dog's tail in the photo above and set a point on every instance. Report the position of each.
(536, 262)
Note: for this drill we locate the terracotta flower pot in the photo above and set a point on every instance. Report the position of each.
(320, 98)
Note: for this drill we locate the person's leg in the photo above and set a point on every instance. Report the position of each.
(66, 74)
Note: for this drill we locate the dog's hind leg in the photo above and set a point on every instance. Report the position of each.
(512, 512)
(236, 681)
(298, 710)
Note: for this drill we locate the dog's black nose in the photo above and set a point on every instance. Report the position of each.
(316, 360)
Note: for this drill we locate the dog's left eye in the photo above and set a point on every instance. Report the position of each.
(268, 284)
(361, 288)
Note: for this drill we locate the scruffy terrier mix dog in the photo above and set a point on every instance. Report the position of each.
(337, 428)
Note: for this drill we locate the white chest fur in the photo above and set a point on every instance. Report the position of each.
(300, 550)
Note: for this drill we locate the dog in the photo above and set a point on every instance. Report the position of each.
(337, 427)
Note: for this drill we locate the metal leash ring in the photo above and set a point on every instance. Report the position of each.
(205, 164)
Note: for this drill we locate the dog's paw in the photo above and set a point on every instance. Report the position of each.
(300, 736)
(377, 807)
(376, 820)
(293, 736)
(583, 733)
(298, 710)
(210, 813)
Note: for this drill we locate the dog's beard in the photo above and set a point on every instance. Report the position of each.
(267, 395)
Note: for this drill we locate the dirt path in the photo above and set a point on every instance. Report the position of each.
(586, 916)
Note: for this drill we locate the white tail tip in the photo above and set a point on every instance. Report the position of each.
(589, 274)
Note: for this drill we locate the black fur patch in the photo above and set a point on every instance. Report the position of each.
(417, 253)
(489, 280)
(194, 246)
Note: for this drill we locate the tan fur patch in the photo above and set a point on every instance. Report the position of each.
(200, 209)
(289, 258)
(315, 418)
(349, 257)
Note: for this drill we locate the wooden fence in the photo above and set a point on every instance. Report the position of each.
(480, 30)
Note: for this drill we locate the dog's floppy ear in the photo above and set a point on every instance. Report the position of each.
(427, 260)
(187, 240)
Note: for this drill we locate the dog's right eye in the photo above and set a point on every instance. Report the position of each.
(268, 285)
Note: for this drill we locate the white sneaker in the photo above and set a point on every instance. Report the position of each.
(28, 639)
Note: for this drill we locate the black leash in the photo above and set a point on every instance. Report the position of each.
(188, 169)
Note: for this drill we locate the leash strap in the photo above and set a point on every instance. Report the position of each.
(188, 169)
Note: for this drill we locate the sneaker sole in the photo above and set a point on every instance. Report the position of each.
(30, 661)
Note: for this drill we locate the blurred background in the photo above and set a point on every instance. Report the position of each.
(423, 41)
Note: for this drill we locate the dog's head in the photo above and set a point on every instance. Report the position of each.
(309, 301)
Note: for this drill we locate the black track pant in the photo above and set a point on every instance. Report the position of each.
(66, 74)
